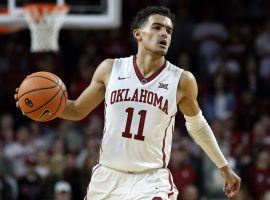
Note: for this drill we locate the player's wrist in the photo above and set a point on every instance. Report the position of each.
(225, 169)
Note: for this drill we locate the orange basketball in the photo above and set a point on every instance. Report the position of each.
(42, 96)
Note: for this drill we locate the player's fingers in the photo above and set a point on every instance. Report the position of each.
(23, 112)
(17, 104)
(16, 96)
(16, 90)
(234, 189)
(232, 193)
(226, 188)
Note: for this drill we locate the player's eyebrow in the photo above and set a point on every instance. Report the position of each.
(168, 27)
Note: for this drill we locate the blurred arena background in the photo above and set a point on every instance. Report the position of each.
(225, 43)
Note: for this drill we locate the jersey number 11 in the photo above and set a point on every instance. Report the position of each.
(139, 134)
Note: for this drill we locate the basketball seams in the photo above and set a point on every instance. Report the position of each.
(45, 88)
(56, 109)
(44, 103)
(39, 84)
(39, 76)
(57, 78)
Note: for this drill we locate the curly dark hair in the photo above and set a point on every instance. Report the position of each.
(143, 15)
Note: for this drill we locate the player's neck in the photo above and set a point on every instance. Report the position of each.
(149, 64)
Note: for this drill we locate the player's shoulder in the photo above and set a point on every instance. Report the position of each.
(187, 77)
(104, 69)
(123, 60)
(188, 84)
(173, 69)
(108, 63)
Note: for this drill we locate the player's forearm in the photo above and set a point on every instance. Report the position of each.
(202, 134)
(71, 112)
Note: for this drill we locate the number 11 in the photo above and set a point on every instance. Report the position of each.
(127, 133)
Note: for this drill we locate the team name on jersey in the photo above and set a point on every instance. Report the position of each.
(140, 95)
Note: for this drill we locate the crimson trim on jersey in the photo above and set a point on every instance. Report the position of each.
(85, 198)
(163, 143)
(171, 183)
(140, 76)
(95, 168)
(104, 131)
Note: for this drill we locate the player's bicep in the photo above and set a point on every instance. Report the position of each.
(91, 96)
(188, 103)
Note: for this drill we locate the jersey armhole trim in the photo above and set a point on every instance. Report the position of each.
(112, 72)
(179, 78)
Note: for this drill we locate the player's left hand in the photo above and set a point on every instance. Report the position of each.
(232, 182)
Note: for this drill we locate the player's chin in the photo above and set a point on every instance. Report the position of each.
(161, 51)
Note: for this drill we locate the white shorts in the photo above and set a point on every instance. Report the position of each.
(109, 184)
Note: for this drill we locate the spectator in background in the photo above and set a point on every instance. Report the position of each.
(259, 135)
(89, 163)
(38, 139)
(266, 195)
(265, 119)
(181, 168)
(85, 72)
(69, 134)
(56, 169)
(238, 42)
(190, 193)
(246, 110)
(30, 185)
(91, 147)
(8, 184)
(258, 174)
(7, 131)
(250, 79)
(184, 60)
(243, 194)
(183, 27)
(224, 64)
(220, 103)
(43, 163)
(18, 150)
(209, 35)
(262, 45)
(62, 191)
(72, 174)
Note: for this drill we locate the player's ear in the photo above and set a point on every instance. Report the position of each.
(137, 35)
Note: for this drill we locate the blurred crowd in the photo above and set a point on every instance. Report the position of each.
(226, 44)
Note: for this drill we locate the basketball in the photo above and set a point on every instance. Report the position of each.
(42, 96)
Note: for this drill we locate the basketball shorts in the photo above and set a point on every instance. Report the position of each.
(109, 184)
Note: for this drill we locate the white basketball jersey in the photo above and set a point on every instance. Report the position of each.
(139, 116)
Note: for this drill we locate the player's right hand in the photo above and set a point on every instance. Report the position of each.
(16, 97)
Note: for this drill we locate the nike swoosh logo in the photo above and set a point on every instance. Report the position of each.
(122, 78)
(46, 111)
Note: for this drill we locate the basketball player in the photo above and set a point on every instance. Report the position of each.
(141, 95)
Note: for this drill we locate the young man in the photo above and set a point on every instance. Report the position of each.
(141, 95)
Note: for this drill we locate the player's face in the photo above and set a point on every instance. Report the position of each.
(155, 34)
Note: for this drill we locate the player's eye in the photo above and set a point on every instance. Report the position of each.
(169, 31)
(156, 27)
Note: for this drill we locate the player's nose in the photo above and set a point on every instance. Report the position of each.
(163, 32)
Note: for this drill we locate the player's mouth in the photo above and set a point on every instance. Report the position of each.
(163, 43)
